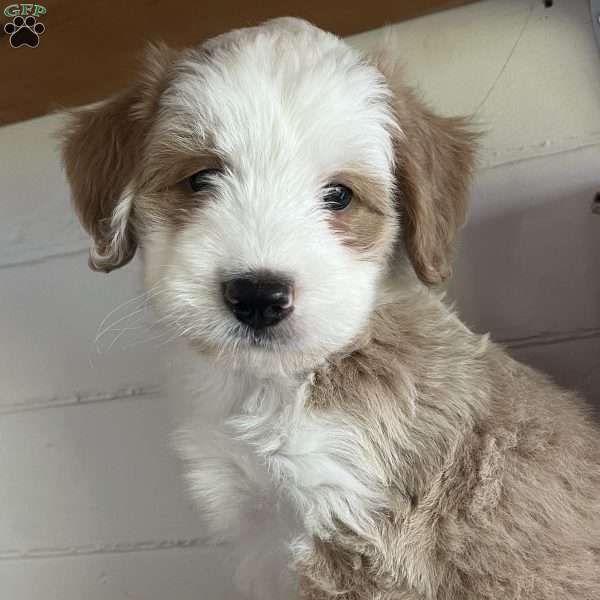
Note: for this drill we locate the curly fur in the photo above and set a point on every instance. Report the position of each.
(372, 447)
(490, 482)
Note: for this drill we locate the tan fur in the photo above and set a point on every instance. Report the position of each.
(435, 162)
(492, 472)
(369, 223)
(165, 195)
(101, 151)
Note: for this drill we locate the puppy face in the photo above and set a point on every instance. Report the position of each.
(266, 177)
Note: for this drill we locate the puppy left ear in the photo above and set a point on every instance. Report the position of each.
(435, 160)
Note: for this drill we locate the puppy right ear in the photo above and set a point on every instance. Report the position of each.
(101, 152)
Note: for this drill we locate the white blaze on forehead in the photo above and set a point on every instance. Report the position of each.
(276, 99)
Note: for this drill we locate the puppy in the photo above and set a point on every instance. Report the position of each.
(295, 206)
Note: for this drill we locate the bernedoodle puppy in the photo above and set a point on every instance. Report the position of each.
(295, 206)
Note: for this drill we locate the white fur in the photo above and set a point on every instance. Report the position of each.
(286, 107)
(118, 226)
(268, 475)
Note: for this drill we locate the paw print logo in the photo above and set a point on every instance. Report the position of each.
(24, 32)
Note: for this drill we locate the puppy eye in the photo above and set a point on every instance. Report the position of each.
(337, 196)
(202, 180)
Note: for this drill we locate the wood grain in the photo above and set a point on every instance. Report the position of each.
(88, 49)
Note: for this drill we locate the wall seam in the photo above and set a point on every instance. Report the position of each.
(79, 399)
(101, 549)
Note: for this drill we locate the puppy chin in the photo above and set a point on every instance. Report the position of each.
(265, 353)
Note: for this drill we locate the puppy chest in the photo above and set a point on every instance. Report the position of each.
(320, 464)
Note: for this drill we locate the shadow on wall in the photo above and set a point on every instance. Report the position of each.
(528, 268)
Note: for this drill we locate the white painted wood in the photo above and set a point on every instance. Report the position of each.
(50, 312)
(529, 262)
(529, 73)
(190, 574)
(90, 491)
(574, 364)
(36, 220)
(94, 476)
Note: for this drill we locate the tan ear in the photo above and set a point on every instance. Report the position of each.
(101, 152)
(435, 162)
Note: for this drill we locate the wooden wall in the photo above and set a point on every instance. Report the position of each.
(88, 49)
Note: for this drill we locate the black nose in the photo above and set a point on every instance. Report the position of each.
(259, 300)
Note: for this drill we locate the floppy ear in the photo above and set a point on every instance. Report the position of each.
(435, 159)
(101, 151)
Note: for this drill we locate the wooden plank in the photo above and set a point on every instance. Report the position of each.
(530, 253)
(51, 312)
(88, 49)
(186, 574)
(93, 479)
(573, 363)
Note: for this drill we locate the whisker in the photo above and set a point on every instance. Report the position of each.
(123, 304)
(142, 302)
(111, 326)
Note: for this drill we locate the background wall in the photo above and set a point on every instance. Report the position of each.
(92, 505)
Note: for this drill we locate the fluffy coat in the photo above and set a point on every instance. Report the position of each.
(371, 447)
